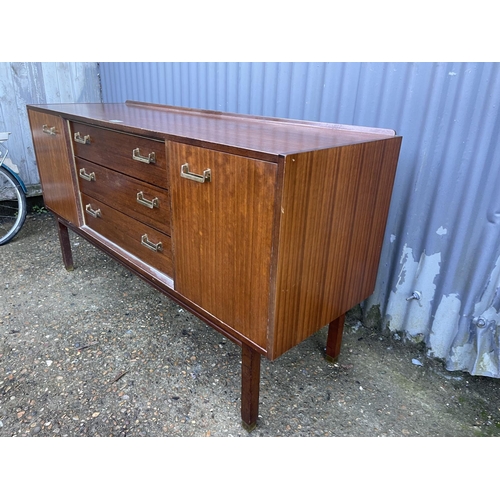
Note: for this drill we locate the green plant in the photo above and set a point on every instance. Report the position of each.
(38, 210)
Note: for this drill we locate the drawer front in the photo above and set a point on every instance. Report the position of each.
(139, 157)
(135, 198)
(151, 246)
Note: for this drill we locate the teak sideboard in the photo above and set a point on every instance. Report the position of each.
(267, 229)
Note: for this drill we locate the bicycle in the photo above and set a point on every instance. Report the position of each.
(12, 197)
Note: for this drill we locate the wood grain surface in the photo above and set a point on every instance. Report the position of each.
(55, 165)
(120, 191)
(262, 137)
(334, 210)
(222, 233)
(127, 232)
(114, 150)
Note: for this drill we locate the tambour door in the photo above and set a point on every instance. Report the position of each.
(54, 164)
(222, 226)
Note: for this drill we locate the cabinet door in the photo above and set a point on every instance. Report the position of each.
(222, 230)
(54, 164)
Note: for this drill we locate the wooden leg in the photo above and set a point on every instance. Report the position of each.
(334, 340)
(65, 246)
(250, 381)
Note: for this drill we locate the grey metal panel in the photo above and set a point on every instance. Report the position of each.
(443, 231)
(23, 83)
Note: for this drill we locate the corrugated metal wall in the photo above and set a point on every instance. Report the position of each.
(443, 232)
(24, 83)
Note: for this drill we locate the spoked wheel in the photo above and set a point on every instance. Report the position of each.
(12, 206)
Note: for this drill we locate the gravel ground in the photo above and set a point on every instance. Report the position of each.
(97, 352)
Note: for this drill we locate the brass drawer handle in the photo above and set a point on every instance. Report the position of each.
(48, 130)
(156, 247)
(154, 203)
(136, 155)
(206, 177)
(92, 212)
(87, 177)
(82, 140)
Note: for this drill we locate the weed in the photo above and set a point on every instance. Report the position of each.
(39, 210)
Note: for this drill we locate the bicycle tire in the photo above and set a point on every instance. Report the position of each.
(13, 206)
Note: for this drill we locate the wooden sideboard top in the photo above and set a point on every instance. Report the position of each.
(270, 136)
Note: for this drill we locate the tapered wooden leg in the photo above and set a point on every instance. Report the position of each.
(334, 340)
(65, 246)
(250, 382)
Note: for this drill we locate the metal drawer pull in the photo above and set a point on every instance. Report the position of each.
(49, 130)
(156, 247)
(136, 155)
(87, 177)
(154, 203)
(92, 212)
(206, 177)
(82, 140)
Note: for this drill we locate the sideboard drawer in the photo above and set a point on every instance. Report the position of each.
(140, 157)
(151, 246)
(135, 198)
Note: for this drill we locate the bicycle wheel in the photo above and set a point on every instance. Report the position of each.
(12, 206)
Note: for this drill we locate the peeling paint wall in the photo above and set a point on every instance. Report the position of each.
(443, 232)
(445, 225)
(23, 83)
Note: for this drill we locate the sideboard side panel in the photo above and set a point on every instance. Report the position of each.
(335, 204)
